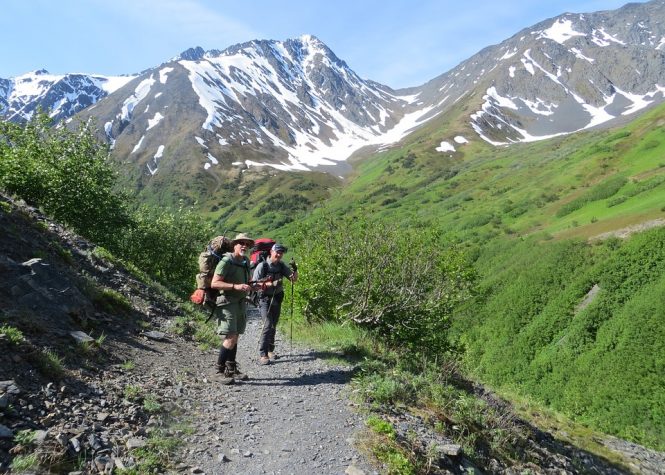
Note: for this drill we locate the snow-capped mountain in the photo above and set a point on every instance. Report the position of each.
(292, 105)
(60, 95)
(563, 75)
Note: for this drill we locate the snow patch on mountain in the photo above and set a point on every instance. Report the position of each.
(137, 96)
(138, 145)
(163, 74)
(445, 147)
(561, 31)
(213, 159)
(155, 120)
(602, 38)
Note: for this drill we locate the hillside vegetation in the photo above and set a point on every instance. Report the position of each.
(527, 216)
(494, 247)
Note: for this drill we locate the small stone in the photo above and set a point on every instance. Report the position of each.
(449, 449)
(6, 432)
(10, 387)
(353, 470)
(40, 437)
(81, 337)
(155, 335)
(76, 444)
(135, 443)
(103, 462)
(196, 470)
(102, 416)
(247, 454)
(4, 401)
(222, 458)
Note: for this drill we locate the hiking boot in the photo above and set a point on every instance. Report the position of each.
(226, 376)
(234, 370)
(264, 360)
(272, 355)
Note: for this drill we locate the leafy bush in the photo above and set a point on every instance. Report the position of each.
(601, 191)
(67, 173)
(164, 243)
(401, 284)
(13, 335)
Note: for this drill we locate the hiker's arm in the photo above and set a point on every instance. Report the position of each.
(219, 284)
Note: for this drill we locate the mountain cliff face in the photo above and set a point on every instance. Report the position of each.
(562, 75)
(292, 105)
(61, 96)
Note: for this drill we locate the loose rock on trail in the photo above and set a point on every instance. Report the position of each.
(292, 416)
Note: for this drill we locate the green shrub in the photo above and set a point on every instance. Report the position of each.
(601, 191)
(48, 363)
(68, 174)
(402, 285)
(14, 335)
(65, 172)
(24, 463)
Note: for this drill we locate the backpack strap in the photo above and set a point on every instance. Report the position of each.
(245, 263)
(211, 251)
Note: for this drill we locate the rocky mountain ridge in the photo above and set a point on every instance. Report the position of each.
(61, 96)
(565, 74)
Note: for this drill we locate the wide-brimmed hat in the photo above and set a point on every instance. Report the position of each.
(242, 237)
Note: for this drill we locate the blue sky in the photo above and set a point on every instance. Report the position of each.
(400, 43)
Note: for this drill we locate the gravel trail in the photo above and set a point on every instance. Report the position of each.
(291, 417)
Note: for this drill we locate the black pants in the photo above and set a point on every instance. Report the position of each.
(270, 308)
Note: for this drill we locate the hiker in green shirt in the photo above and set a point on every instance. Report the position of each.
(231, 278)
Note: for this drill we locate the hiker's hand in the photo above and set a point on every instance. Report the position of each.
(242, 287)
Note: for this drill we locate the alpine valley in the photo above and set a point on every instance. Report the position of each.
(541, 160)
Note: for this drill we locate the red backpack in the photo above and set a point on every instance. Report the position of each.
(260, 251)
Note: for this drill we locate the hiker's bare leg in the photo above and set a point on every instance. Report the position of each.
(230, 341)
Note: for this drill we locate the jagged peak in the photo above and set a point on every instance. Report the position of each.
(192, 54)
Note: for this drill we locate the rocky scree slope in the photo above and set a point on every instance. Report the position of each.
(81, 318)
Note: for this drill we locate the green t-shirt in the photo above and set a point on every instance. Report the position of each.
(235, 272)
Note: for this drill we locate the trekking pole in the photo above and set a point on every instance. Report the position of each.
(294, 268)
(291, 320)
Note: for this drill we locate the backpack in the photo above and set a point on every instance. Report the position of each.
(208, 260)
(260, 251)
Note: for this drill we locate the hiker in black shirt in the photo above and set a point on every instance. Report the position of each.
(271, 272)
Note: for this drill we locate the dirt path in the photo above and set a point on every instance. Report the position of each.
(291, 417)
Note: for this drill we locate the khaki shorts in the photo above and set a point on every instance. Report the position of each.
(231, 318)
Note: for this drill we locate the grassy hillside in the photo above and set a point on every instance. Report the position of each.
(527, 214)
(574, 186)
